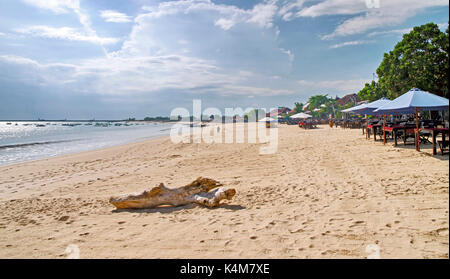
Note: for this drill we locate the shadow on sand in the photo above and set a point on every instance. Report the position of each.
(425, 149)
(171, 209)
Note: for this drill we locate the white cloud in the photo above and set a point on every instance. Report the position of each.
(56, 6)
(289, 54)
(114, 16)
(441, 26)
(286, 11)
(334, 7)
(17, 59)
(173, 46)
(390, 13)
(261, 14)
(66, 6)
(387, 32)
(351, 43)
(363, 17)
(65, 33)
(122, 76)
(353, 85)
(225, 24)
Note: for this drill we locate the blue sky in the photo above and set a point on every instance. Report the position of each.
(104, 59)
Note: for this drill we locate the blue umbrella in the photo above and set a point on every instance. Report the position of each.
(356, 108)
(412, 100)
(368, 108)
(371, 107)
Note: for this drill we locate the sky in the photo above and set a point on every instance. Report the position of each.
(111, 59)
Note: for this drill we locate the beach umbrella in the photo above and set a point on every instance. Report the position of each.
(301, 115)
(371, 107)
(413, 101)
(353, 109)
(368, 108)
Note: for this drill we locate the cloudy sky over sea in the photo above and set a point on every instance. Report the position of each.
(87, 59)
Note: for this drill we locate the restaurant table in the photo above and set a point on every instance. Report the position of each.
(394, 130)
(374, 128)
(434, 133)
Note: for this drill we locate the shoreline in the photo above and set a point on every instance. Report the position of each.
(45, 142)
(313, 198)
(81, 152)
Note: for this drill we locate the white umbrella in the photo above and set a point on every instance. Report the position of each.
(301, 115)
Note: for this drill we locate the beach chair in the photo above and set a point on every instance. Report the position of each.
(444, 145)
(409, 135)
(424, 137)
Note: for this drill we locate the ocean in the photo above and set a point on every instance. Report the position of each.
(26, 141)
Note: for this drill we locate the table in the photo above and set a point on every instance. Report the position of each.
(434, 133)
(374, 128)
(394, 129)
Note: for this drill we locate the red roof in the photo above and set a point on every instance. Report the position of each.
(347, 99)
(278, 111)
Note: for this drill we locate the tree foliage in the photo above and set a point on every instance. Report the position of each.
(372, 92)
(298, 107)
(419, 60)
(317, 100)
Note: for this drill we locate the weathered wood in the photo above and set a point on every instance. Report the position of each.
(196, 192)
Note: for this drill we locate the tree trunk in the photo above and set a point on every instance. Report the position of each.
(196, 192)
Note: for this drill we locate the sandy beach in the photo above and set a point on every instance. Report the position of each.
(326, 193)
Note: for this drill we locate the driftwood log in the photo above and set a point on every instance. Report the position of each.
(198, 191)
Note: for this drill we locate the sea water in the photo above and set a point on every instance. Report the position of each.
(25, 141)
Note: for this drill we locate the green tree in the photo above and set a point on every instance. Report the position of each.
(298, 107)
(372, 92)
(420, 60)
(317, 100)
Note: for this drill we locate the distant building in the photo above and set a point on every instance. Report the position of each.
(279, 111)
(350, 98)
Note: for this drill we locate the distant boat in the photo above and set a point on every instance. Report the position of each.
(98, 124)
(40, 125)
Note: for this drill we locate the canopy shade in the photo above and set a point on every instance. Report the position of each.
(354, 109)
(368, 108)
(371, 107)
(301, 115)
(414, 98)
